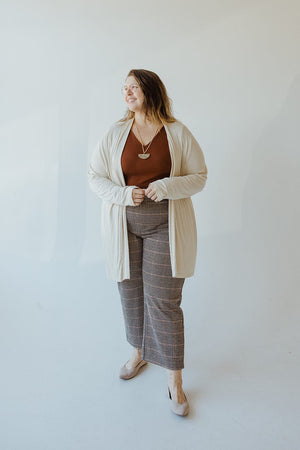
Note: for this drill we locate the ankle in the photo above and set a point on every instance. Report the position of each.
(174, 378)
(137, 354)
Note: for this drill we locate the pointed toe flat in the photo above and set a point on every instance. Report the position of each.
(126, 373)
(181, 409)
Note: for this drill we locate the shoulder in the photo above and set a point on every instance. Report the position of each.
(179, 129)
(175, 127)
(114, 131)
(120, 125)
(116, 128)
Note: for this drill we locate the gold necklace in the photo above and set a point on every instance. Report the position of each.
(145, 155)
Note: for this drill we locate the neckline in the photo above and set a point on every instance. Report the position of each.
(145, 145)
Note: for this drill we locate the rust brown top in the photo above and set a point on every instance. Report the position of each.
(140, 172)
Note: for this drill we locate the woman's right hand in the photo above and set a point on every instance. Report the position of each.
(138, 196)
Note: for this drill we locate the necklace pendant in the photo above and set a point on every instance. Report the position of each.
(144, 155)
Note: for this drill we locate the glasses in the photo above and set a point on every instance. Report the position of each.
(132, 88)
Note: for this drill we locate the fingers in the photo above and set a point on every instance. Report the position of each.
(153, 196)
(138, 196)
(151, 193)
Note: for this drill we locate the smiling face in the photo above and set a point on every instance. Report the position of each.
(134, 97)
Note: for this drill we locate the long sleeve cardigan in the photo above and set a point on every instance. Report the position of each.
(187, 177)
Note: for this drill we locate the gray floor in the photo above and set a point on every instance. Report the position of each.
(62, 344)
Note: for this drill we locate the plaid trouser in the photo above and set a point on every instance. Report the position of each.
(151, 298)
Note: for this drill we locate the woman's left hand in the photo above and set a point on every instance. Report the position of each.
(150, 192)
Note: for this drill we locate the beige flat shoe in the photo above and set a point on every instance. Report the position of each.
(126, 374)
(181, 409)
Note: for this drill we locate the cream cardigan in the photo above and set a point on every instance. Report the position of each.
(187, 177)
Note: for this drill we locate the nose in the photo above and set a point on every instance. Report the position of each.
(129, 95)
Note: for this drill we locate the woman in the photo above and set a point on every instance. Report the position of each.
(145, 170)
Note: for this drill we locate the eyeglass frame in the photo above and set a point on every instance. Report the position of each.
(132, 87)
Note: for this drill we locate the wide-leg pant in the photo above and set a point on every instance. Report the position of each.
(151, 298)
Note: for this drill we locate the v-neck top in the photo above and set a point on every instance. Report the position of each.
(140, 172)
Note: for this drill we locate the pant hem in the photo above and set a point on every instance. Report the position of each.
(152, 361)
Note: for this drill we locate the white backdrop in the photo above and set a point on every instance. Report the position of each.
(232, 68)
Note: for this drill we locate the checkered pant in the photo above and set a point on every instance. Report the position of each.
(151, 298)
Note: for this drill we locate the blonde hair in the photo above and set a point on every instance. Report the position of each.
(157, 104)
